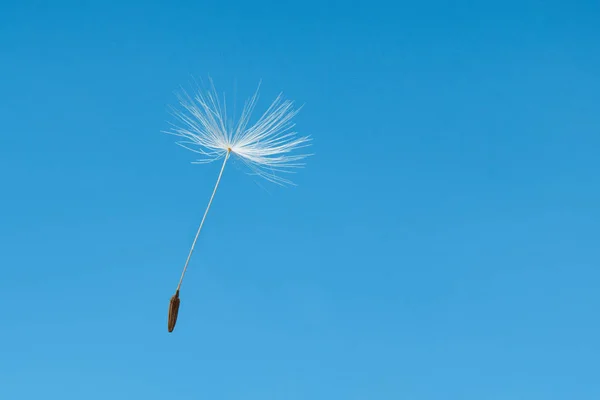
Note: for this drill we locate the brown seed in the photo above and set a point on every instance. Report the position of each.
(173, 310)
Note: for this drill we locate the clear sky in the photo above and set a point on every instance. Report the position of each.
(443, 242)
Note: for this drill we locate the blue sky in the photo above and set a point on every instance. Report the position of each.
(441, 244)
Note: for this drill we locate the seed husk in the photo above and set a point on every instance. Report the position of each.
(173, 310)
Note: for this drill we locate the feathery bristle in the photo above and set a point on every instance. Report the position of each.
(267, 147)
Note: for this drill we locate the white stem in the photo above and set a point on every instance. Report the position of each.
(203, 218)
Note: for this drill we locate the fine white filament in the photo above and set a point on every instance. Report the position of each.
(268, 147)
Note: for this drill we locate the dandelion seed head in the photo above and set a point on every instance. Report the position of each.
(269, 147)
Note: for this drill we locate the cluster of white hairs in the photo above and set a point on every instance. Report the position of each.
(268, 147)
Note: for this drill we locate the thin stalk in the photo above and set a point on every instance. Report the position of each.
(203, 218)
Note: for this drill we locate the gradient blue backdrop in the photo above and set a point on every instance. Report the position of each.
(443, 243)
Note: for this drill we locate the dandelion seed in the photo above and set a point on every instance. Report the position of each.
(173, 311)
(268, 147)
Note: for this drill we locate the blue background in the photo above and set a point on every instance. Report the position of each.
(443, 242)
